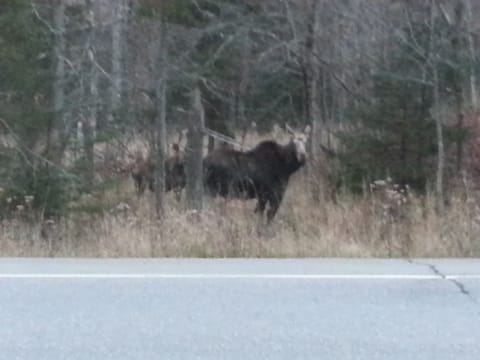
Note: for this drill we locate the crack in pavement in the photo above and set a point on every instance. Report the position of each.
(458, 284)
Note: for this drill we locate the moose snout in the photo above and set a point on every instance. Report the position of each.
(302, 157)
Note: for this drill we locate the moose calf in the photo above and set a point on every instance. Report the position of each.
(143, 173)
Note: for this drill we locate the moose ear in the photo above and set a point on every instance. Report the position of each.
(181, 136)
(175, 148)
(308, 130)
(289, 129)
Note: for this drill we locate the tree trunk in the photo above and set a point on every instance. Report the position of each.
(312, 107)
(88, 148)
(433, 65)
(458, 44)
(90, 119)
(472, 55)
(241, 118)
(194, 153)
(160, 121)
(440, 143)
(54, 149)
(117, 57)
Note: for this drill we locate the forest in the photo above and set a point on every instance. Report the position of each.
(95, 92)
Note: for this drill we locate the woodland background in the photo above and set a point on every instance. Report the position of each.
(389, 88)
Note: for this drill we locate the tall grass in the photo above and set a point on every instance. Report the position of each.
(380, 224)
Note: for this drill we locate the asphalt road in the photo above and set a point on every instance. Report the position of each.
(239, 309)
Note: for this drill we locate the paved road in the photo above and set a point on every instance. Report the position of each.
(239, 309)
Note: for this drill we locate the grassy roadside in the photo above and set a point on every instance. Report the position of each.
(378, 225)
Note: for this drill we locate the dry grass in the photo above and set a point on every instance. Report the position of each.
(372, 226)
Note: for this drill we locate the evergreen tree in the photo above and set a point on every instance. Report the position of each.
(396, 135)
(25, 110)
(25, 75)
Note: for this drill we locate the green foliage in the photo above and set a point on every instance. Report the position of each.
(26, 71)
(42, 189)
(181, 12)
(25, 109)
(396, 133)
(25, 75)
(274, 98)
(396, 137)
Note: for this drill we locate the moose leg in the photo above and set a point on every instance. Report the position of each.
(178, 194)
(141, 186)
(272, 210)
(261, 204)
(151, 183)
(274, 201)
(139, 182)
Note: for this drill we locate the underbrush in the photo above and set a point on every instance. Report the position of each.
(387, 222)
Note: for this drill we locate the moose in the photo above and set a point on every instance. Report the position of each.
(143, 172)
(261, 173)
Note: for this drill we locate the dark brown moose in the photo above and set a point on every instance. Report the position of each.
(261, 173)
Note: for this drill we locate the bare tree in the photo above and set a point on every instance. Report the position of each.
(118, 37)
(472, 54)
(160, 119)
(54, 152)
(434, 64)
(194, 153)
(460, 86)
(312, 84)
(89, 119)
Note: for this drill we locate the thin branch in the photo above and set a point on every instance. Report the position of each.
(26, 150)
(42, 20)
(99, 67)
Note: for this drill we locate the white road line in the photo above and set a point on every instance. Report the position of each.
(236, 276)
